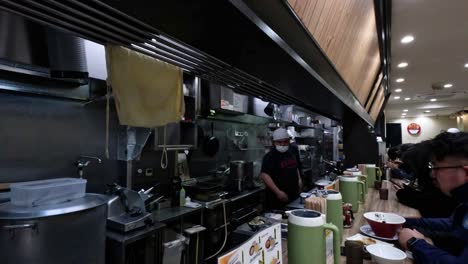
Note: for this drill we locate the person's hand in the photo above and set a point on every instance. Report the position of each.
(391, 165)
(406, 234)
(282, 196)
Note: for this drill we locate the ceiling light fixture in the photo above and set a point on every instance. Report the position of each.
(427, 111)
(466, 65)
(405, 110)
(396, 97)
(403, 114)
(403, 65)
(399, 80)
(398, 90)
(433, 100)
(407, 98)
(448, 85)
(407, 39)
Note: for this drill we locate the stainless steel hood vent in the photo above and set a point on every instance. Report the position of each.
(31, 48)
(101, 23)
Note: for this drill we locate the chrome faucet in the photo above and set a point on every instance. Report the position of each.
(84, 161)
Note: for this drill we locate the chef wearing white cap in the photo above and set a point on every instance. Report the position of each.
(280, 172)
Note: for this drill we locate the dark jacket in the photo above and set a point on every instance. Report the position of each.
(455, 227)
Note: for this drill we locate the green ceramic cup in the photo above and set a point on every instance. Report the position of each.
(335, 210)
(352, 191)
(371, 174)
(363, 178)
(307, 238)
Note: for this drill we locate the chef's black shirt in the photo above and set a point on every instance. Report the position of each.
(282, 168)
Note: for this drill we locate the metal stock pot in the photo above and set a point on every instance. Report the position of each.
(70, 232)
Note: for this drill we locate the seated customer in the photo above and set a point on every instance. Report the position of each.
(450, 169)
(428, 199)
(398, 169)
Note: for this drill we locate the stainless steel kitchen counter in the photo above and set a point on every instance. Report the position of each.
(173, 213)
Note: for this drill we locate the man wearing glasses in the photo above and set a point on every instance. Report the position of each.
(280, 172)
(449, 168)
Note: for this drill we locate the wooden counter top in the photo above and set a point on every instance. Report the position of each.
(372, 203)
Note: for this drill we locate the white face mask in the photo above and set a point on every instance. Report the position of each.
(282, 149)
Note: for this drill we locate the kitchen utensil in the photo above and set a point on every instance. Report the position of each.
(352, 191)
(354, 252)
(323, 183)
(211, 143)
(335, 210)
(309, 237)
(303, 196)
(241, 175)
(384, 224)
(69, 232)
(367, 230)
(367, 240)
(127, 210)
(256, 223)
(371, 171)
(269, 109)
(383, 254)
(363, 178)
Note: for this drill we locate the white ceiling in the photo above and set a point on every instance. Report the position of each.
(437, 55)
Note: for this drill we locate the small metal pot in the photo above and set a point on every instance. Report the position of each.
(241, 174)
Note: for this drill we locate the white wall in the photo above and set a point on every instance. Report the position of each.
(462, 122)
(430, 127)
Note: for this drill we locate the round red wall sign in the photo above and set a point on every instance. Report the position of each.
(413, 129)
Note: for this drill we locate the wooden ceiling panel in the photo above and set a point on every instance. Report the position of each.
(346, 31)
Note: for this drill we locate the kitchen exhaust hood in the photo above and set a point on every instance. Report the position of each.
(231, 42)
(30, 48)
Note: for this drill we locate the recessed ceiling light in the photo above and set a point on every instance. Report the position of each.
(402, 65)
(405, 110)
(427, 111)
(433, 99)
(466, 65)
(396, 97)
(398, 90)
(448, 85)
(399, 80)
(407, 98)
(403, 114)
(407, 39)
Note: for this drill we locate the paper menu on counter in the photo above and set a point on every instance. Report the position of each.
(272, 250)
(262, 248)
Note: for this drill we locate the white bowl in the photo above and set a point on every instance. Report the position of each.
(385, 254)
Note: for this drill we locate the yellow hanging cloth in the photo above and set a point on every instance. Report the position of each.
(148, 92)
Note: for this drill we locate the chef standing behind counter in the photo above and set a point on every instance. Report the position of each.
(280, 172)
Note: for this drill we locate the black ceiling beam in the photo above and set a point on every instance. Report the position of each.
(383, 16)
(228, 32)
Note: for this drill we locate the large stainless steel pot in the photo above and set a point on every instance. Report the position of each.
(71, 232)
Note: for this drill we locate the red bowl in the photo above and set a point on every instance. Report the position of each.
(384, 225)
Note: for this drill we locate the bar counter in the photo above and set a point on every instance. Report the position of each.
(372, 203)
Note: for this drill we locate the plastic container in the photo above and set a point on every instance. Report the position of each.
(35, 193)
(182, 197)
